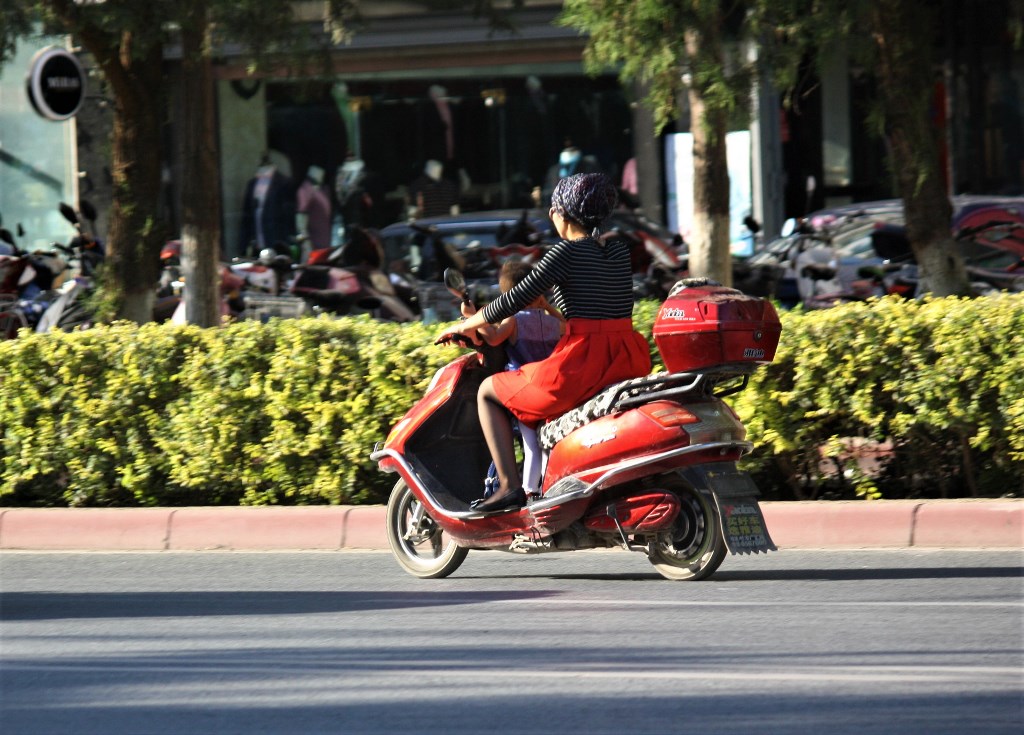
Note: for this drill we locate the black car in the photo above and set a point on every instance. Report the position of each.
(476, 243)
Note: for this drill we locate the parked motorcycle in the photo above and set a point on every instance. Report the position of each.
(67, 309)
(28, 282)
(989, 268)
(270, 273)
(647, 465)
(16, 274)
(349, 280)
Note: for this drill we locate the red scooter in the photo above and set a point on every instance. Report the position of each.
(648, 465)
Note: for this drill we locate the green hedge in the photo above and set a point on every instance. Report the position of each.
(940, 383)
(287, 412)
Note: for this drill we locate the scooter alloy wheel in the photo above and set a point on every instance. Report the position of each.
(695, 547)
(417, 542)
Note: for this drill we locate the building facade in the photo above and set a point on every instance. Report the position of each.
(496, 109)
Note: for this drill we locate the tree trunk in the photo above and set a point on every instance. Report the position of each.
(906, 80)
(709, 243)
(135, 234)
(649, 163)
(200, 230)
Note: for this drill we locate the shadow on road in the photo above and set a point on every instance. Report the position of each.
(71, 605)
(834, 575)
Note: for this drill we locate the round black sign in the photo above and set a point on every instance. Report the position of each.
(56, 83)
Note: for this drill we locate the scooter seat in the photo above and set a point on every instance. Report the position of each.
(604, 403)
(653, 387)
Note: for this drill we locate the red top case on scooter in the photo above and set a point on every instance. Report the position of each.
(702, 326)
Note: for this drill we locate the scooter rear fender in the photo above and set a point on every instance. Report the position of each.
(735, 495)
(648, 438)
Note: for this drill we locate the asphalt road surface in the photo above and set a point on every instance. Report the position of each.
(866, 642)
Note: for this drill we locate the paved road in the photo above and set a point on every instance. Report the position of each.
(906, 641)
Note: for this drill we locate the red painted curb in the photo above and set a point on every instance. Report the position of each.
(853, 524)
(365, 528)
(793, 525)
(113, 529)
(269, 528)
(990, 524)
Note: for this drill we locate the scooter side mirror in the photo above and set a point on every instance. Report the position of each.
(6, 236)
(88, 211)
(788, 227)
(455, 283)
(68, 213)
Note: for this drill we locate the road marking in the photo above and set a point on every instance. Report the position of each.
(752, 603)
(420, 668)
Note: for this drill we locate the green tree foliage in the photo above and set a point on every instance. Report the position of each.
(699, 48)
(676, 49)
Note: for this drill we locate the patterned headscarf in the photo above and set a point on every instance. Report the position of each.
(586, 199)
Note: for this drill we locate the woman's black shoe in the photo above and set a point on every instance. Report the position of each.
(511, 500)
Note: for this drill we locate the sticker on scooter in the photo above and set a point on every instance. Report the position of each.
(677, 314)
(752, 353)
(606, 435)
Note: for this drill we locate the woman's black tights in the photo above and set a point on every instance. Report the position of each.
(496, 423)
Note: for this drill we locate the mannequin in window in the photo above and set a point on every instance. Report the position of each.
(268, 209)
(353, 200)
(629, 191)
(361, 195)
(571, 161)
(439, 130)
(313, 207)
(433, 195)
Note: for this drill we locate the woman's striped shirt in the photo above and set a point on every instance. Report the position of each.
(589, 280)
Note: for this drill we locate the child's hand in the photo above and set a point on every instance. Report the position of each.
(546, 306)
(456, 334)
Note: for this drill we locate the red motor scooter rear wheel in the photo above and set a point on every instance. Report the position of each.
(694, 547)
(419, 545)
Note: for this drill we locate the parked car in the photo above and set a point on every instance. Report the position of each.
(826, 251)
(476, 243)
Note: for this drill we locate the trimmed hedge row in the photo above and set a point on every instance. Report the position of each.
(935, 386)
(285, 412)
(288, 412)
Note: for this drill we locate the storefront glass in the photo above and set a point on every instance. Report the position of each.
(37, 158)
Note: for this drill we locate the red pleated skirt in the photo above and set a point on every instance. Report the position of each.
(592, 354)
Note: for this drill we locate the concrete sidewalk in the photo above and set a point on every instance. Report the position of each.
(821, 524)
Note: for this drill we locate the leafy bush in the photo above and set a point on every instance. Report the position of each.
(288, 412)
(938, 383)
(285, 412)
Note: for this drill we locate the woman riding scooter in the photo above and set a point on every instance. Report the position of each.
(593, 288)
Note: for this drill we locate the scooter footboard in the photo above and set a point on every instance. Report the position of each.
(735, 495)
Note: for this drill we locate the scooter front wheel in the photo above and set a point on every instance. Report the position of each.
(694, 548)
(417, 542)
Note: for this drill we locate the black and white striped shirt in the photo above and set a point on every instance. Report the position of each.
(590, 280)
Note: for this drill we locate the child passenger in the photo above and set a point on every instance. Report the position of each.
(529, 335)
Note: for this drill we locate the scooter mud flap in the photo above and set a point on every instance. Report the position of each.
(735, 496)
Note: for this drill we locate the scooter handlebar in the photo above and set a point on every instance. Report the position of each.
(460, 339)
